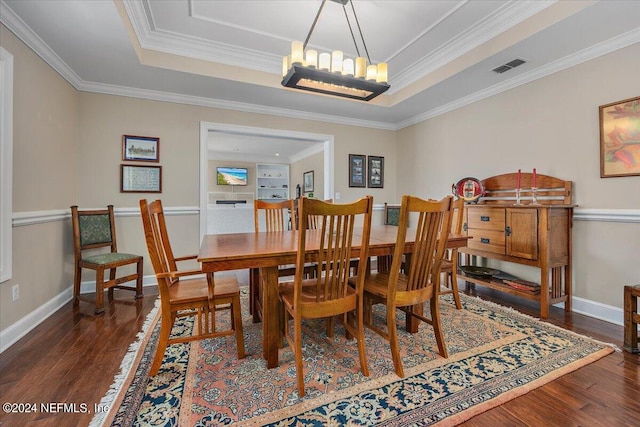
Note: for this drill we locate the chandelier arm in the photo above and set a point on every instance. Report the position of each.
(304, 46)
(353, 37)
(360, 30)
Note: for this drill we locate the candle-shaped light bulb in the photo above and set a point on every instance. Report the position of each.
(361, 67)
(285, 64)
(312, 58)
(324, 61)
(382, 73)
(372, 72)
(336, 61)
(297, 52)
(347, 67)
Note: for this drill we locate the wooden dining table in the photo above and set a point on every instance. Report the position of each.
(268, 250)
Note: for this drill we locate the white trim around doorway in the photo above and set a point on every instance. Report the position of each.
(206, 127)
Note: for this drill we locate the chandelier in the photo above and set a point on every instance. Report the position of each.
(331, 73)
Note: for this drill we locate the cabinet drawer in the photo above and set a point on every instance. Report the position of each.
(486, 218)
(487, 240)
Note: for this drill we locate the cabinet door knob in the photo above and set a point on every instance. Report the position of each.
(485, 218)
(484, 240)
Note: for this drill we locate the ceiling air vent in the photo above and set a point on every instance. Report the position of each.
(509, 65)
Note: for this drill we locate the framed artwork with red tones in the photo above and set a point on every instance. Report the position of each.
(620, 138)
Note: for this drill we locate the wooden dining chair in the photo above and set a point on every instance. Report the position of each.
(313, 221)
(278, 216)
(421, 283)
(328, 294)
(93, 229)
(186, 293)
(450, 262)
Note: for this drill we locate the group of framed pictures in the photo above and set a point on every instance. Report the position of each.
(366, 171)
(140, 178)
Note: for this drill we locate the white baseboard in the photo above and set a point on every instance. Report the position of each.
(19, 329)
(605, 312)
(13, 333)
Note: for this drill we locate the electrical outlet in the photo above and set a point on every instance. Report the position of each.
(15, 292)
(337, 196)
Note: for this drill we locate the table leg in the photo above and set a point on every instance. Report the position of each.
(254, 294)
(270, 315)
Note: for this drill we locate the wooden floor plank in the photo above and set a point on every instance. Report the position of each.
(73, 356)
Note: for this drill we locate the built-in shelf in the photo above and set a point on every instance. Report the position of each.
(272, 181)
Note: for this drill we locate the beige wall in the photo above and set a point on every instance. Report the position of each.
(313, 163)
(45, 162)
(550, 124)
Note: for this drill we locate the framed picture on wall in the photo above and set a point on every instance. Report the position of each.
(619, 136)
(140, 179)
(375, 178)
(308, 181)
(140, 148)
(357, 170)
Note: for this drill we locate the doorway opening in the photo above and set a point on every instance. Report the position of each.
(222, 129)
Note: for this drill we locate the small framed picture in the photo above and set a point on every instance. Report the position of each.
(376, 172)
(357, 170)
(140, 148)
(308, 181)
(140, 179)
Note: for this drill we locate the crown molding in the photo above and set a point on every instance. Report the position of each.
(229, 105)
(152, 38)
(314, 149)
(18, 27)
(587, 54)
(507, 17)
(24, 33)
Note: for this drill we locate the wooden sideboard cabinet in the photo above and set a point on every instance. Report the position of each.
(537, 235)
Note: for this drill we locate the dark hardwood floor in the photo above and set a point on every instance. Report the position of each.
(72, 357)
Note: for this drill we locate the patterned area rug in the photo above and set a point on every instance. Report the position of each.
(495, 355)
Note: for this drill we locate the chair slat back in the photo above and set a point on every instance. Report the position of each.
(457, 219)
(93, 228)
(312, 220)
(276, 215)
(431, 235)
(334, 240)
(157, 239)
(457, 222)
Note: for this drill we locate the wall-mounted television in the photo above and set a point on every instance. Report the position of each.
(232, 176)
